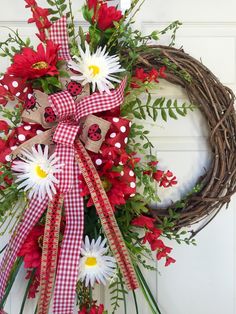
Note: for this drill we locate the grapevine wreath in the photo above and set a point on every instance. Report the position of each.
(77, 170)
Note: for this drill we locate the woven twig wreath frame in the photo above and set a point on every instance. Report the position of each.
(216, 103)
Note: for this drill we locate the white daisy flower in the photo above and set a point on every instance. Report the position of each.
(94, 265)
(98, 69)
(36, 171)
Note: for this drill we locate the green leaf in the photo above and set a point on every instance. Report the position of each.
(163, 114)
(87, 14)
(63, 7)
(142, 112)
(172, 114)
(50, 2)
(137, 115)
(63, 73)
(54, 19)
(51, 11)
(162, 102)
(169, 103)
(28, 42)
(82, 37)
(180, 112)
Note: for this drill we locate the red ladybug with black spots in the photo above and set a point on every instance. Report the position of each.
(94, 132)
(74, 88)
(30, 103)
(49, 115)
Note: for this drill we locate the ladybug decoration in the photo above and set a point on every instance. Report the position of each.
(30, 102)
(74, 88)
(94, 132)
(49, 115)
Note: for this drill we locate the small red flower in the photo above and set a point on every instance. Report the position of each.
(165, 179)
(140, 76)
(152, 236)
(95, 309)
(40, 18)
(30, 3)
(92, 4)
(163, 251)
(30, 64)
(156, 244)
(158, 175)
(169, 260)
(106, 16)
(153, 75)
(143, 221)
(162, 72)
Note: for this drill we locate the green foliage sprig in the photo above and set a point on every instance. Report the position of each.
(159, 107)
(13, 44)
(138, 140)
(59, 8)
(49, 84)
(118, 292)
(12, 115)
(173, 27)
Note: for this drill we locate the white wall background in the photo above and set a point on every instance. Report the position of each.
(203, 279)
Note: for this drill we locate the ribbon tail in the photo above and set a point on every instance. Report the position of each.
(30, 218)
(98, 102)
(50, 252)
(58, 34)
(68, 267)
(106, 215)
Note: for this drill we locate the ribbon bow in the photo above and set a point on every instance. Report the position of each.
(68, 149)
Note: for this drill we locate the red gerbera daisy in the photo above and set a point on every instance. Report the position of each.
(30, 64)
(31, 250)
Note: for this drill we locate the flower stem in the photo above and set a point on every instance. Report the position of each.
(11, 280)
(147, 292)
(135, 302)
(27, 291)
(123, 292)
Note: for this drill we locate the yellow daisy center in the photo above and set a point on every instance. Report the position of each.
(95, 70)
(91, 261)
(40, 65)
(40, 172)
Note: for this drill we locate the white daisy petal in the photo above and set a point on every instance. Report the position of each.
(98, 69)
(35, 171)
(95, 266)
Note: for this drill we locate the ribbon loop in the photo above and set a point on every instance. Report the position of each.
(66, 133)
(58, 34)
(63, 105)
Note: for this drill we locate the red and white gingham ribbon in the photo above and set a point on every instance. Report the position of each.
(58, 34)
(68, 264)
(31, 217)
